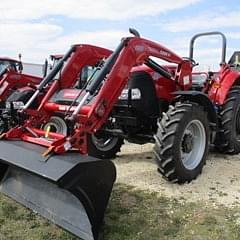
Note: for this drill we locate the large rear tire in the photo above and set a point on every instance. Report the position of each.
(104, 146)
(230, 123)
(182, 142)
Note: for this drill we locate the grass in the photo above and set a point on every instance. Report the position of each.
(132, 215)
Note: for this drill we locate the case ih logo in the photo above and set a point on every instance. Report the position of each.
(139, 48)
(164, 53)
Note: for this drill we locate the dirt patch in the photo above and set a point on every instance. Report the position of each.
(219, 182)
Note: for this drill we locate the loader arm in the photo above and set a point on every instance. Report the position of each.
(68, 191)
(84, 54)
(115, 73)
(135, 53)
(78, 56)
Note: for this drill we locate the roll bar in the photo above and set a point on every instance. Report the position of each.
(224, 44)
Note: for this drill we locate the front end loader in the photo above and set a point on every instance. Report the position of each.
(70, 190)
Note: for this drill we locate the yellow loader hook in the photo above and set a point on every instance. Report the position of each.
(47, 131)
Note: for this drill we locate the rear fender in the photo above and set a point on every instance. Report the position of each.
(218, 92)
(203, 100)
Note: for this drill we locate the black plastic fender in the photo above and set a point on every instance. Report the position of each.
(203, 100)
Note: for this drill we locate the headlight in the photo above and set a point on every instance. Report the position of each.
(135, 94)
(124, 95)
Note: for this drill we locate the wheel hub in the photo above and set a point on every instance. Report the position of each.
(104, 142)
(188, 141)
(193, 144)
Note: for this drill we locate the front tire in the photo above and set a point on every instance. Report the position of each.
(57, 125)
(182, 142)
(104, 146)
(100, 145)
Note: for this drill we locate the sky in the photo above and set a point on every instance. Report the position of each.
(37, 29)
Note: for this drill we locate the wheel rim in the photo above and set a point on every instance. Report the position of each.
(57, 125)
(104, 143)
(193, 144)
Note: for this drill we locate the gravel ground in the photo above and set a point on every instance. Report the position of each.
(219, 182)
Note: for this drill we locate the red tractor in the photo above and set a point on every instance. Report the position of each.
(150, 101)
(20, 87)
(182, 124)
(129, 96)
(12, 78)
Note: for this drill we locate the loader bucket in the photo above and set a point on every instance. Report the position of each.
(70, 190)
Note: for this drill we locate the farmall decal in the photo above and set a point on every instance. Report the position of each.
(139, 48)
(69, 95)
(161, 52)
